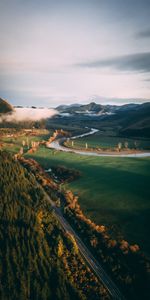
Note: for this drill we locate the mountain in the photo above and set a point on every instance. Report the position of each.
(94, 108)
(5, 107)
(71, 109)
(91, 108)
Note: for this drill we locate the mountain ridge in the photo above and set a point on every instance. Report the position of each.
(94, 107)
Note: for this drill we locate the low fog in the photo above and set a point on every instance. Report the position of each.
(32, 114)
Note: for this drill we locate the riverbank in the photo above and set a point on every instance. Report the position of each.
(59, 145)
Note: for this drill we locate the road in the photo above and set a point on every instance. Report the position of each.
(87, 255)
(58, 145)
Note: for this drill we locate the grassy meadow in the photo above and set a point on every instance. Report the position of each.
(14, 143)
(101, 141)
(112, 191)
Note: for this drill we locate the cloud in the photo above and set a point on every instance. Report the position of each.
(138, 62)
(32, 114)
(143, 34)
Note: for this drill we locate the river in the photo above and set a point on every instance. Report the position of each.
(57, 145)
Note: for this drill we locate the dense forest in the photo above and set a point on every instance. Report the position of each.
(37, 259)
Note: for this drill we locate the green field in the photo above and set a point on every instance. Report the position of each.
(98, 140)
(13, 144)
(112, 191)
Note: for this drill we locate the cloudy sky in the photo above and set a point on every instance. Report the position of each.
(67, 51)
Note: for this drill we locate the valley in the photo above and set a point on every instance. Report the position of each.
(74, 150)
(97, 178)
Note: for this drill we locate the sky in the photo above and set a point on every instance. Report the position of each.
(56, 52)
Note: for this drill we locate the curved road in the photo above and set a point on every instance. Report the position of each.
(58, 145)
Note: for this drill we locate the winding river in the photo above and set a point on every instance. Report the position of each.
(58, 145)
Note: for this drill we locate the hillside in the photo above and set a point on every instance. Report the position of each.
(5, 107)
(131, 121)
(38, 260)
(137, 122)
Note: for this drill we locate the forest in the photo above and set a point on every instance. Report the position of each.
(37, 259)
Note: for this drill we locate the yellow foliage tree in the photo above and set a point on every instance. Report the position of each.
(60, 250)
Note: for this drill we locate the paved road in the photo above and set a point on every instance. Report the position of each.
(88, 257)
(58, 145)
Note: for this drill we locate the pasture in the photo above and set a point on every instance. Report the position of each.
(100, 141)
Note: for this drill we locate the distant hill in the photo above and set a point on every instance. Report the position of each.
(79, 108)
(127, 107)
(137, 121)
(131, 120)
(68, 108)
(94, 108)
(91, 107)
(5, 107)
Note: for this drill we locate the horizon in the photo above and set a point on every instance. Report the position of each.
(130, 101)
(64, 52)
